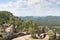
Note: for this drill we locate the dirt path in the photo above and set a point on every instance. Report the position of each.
(28, 37)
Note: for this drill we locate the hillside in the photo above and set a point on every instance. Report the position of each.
(48, 20)
(12, 26)
(5, 16)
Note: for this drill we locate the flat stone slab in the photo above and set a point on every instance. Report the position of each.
(28, 37)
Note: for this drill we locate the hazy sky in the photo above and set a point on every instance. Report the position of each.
(31, 7)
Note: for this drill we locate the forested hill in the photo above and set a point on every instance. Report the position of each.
(5, 16)
(47, 20)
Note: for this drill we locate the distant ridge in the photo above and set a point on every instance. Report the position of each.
(44, 20)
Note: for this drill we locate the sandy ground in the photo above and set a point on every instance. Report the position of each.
(28, 37)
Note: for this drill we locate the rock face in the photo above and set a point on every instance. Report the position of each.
(57, 36)
(7, 30)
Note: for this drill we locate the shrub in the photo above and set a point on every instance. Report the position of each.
(1, 38)
(50, 33)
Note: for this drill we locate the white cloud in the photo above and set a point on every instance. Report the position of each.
(52, 0)
(16, 7)
(58, 3)
(28, 7)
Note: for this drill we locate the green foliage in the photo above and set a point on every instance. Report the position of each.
(5, 16)
(51, 38)
(55, 27)
(32, 32)
(50, 33)
(1, 38)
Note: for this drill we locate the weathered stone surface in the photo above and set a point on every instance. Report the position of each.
(28, 37)
(7, 30)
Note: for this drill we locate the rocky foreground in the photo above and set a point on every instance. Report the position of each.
(28, 37)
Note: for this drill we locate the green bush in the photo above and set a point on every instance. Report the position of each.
(51, 38)
(50, 33)
(1, 38)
